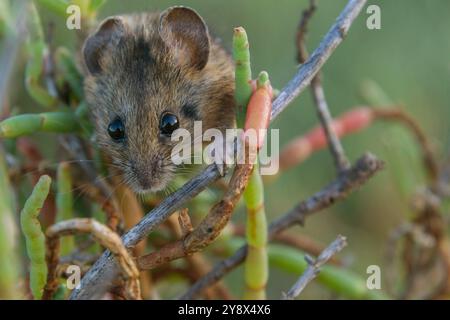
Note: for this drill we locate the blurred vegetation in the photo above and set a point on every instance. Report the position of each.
(409, 58)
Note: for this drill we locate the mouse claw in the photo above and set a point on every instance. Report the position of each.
(221, 168)
(224, 155)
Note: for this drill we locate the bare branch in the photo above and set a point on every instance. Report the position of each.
(197, 264)
(340, 160)
(98, 279)
(314, 63)
(314, 267)
(338, 190)
(210, 227)
(302, 31)
(185, 222)
(103, 235)
(295, 240)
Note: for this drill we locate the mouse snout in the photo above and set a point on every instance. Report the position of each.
(148, 174)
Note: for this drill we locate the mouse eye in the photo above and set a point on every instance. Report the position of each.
(116, 130)
(168, 124)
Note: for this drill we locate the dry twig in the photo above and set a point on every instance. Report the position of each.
(101, 234)
(340, 159)
(198, 266)
(208, 230)
(337, 190)
(299, 241)
(314, 267)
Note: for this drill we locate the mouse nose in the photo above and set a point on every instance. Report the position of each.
(148, 172)
(144, 181)
(145, 176)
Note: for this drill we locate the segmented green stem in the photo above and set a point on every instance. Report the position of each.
(37, 51)
(95, 5)
(34, 237)
(26, 124)
(346, 283)
(64, 203)
(66, 64)
(9, 262)
(374, 95)
(339, 280)
(242, 74)
(56, 6)
(256, 262)
(5, 18)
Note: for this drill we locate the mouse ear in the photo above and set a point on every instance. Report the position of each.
(182, 29)
(106, 37)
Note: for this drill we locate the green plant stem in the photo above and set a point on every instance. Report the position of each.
(64, 203)
(5, 18)
(66, 64)
(37, 51)
(26, 124)
(95, 5)
(242, 74)
(401, 151)
(85, 123)
(374, 95)
(344, 282)
(34, 237)
(56, 6)
(256, 262)
(9, 261)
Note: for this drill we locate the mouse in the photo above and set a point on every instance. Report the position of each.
(148, 74)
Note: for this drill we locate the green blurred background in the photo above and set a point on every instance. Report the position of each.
(409, 58)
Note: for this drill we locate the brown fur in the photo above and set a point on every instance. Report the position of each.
(138, 77)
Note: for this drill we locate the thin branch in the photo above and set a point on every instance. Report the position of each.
(314, 267)
(314, 63)
(364, 168)
(338, 190)
(302, 31)
(97, 280)
(198, 265)
(298, 241)
(210, 227)
(103, 235)
(184, 222)
(340, 159)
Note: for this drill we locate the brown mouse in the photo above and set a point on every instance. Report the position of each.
(147, 75)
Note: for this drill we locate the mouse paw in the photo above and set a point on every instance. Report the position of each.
(222, 154)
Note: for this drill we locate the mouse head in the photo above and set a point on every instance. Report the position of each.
(147, 76)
